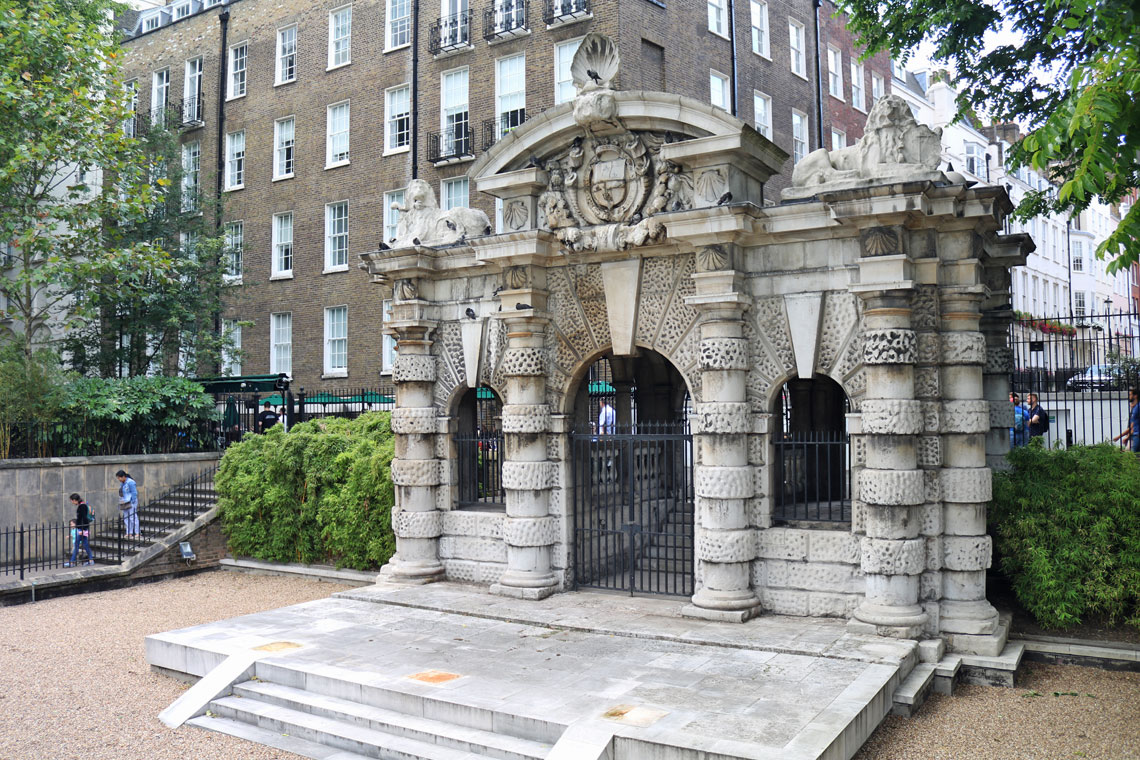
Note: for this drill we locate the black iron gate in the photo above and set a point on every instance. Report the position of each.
(633, 509)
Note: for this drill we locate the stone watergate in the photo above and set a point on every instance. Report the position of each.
(635, 224)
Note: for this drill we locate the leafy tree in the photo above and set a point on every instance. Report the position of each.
(31, 388)
(1073, 82)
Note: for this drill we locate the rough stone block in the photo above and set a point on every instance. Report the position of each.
(722, 417)
(475, 549)
(967, 484)
(726, 545)
(891, 487)
(889, 346)
(415, 472)
(724, 482)
(784, 602)
(930, 519)
(825, 576)
(891, 416)
(967, 552)
(414, 368)
(833, 546)
(530, 531)
(833, 605)
(783, 543)
(934, 551)
(529, 476)
(963, 348)
(930, 585)
(414, 420)
(723, 354)
(929, 451)
(419, 524)
(970, 416)
(526, 418)
(467, 571)
(888, 557)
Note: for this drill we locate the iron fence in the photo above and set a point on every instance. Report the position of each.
(1081, 368)
(561, 11)
(447, 144)
(86, 437)
(450, 33)
(479, 457)
(241, 413)
(494, 129)
(505, 18)
(812, 477)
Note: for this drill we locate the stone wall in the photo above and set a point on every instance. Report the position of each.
(808, 572)
(34, 491)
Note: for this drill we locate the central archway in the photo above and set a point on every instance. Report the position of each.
(631, 458)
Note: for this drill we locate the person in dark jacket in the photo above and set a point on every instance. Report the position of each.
(82, 525)
(1038, 417)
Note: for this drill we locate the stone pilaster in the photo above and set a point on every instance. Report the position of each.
(891, 487)
(724, 480)
(530, 530)
(416, 520)
(928, 391)
(969, 622)
(997, 316)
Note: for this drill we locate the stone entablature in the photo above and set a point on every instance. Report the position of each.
(636, 221)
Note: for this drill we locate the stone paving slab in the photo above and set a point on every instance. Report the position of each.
(770, 688)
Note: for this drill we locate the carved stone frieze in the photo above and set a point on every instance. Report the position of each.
(892, 346)
(712, 258)
(515, 214)
(516, 278)
(881, 241)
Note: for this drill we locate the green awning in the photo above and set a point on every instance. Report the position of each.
(370, 397)
(600, 387)
(484, 392)
(244, 384)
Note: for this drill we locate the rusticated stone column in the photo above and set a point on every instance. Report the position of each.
(530, 531)
(891, 487)
(416, 520)
(997, 316)
(969, 621)
(724, 481)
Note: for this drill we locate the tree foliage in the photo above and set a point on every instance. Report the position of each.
(322, 492)
(1073, 81)
(1067, 529)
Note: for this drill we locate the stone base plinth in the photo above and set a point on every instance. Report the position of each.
(721, 616)
(411, 574)
(523, 592)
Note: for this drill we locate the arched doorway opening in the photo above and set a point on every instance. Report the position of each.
(479, 450)
(812, 464)
(632, 462)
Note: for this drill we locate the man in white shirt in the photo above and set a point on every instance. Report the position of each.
(607, 419)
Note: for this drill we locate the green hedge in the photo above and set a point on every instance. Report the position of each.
(321, 493)
(1067, 527)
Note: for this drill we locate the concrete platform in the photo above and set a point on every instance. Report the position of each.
(631, 670)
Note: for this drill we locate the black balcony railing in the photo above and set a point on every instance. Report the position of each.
(192, 111)
(505, 18)
(561, 11)
(187, 113)
(450, 33)
(493, 129)
(451, 143)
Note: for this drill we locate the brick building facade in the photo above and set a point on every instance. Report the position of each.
(310, 118)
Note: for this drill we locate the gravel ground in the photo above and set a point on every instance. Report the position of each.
(1025, 723)
(74, 682)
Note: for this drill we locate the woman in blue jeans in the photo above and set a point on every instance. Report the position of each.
(129, 503)
(82, 525)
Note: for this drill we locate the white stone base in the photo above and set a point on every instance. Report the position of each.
(518, 592)
(413, 575)
(721, 616)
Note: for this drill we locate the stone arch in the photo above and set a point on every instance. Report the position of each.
(572, 382)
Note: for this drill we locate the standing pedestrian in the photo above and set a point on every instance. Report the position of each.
(1038, 417)
(267, 419)
(607, 418)
(129, 503)
(1018, 434)
(1131, 434)
(82, 526)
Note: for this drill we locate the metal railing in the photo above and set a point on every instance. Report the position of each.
(493, 129)
(505, 18)
(240, 411)
(812, 477)
(479, 456)
(451, 143)
(450, 33)
(85, 437)
(192, 111)
(48, 546)
(1081, 367)
(561, 11)
(188, 113)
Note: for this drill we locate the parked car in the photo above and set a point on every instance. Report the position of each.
(1099, 377)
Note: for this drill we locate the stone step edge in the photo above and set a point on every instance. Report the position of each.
(258, 735)
(348, 711)
(297, 722)
(319, 572)
(1082, 651)
(913, 686)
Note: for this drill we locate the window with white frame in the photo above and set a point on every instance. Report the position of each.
(392, 215)
(898, 71)
(498, 216)
(1034, 292)
(192, 92)
(838, 139)
(563, 81)
(336, 152)
(762, 113)
(1078, 256)
(234, 253)
(235, 160)
(130, 126)
(191, 175)
(182, 10)
(456, 138)
(799, 136)
(231, 352)
(857, 99)
(878, 87)
(718, 90)
(398, 119)
(975, 158)
(287, 54)
(717, 20)
(239, 57)
(1056, 299)
(159, 95)
(835, 72)
(760, 42)
(510, 91)
(283, 148)
(796, 47)
(151, 22)
(336, 340)
(388, 344)
(454, 193)
(399, 23)
(336, 236)
(283, 244)
(340, 36)
(281, 343)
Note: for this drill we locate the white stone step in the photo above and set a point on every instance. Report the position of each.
(334, 733)
(914, 689)
(393, 722)
(293, 744)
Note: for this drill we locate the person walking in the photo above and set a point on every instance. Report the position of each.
(82, 526)
(129, 503)
(1131, 434)
(607, 419)
(1018, 434)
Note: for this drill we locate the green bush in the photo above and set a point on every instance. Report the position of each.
(1067, 527)
(320, 493)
